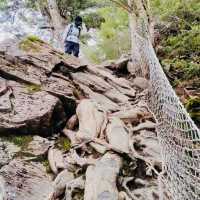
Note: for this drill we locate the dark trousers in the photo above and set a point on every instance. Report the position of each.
(72, 47)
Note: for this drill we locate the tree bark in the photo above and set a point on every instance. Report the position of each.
(141, 28)
(57, 22)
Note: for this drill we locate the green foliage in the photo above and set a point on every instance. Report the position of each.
(182, 68)
(180, 44)
(185, 44)
(93, 20)
(74, 7)
(63, 144)
(45, 163)
(113, 37)
(3, 4)
(31, 4)
(183, 9)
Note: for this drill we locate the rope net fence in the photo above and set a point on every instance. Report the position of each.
(179, 137)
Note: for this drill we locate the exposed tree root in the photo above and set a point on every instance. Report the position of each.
(71, 186)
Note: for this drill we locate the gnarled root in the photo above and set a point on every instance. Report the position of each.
(75, 159)
(71, 186)
(55, 159)
(59, 183)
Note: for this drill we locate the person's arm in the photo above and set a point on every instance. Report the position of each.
(66, 32)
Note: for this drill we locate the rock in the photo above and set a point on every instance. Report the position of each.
(7, 152)
(25, 180)
(90, 120)
(131, 68)
(5, 103)
(72, 122)
(99, 148)
(39, 146)
(73, 187)
(151, 147)
(117, 135)
(101, 178)
(2, 189)
(37, 67)
(102, 100)
(140, 82)
(59, 159)
(32, 112)
(116, 96)
(3, 86)
(60, 182)
(120, 64)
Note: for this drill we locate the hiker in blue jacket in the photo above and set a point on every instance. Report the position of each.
(71, 37)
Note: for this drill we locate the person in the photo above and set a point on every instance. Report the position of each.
(71, 37)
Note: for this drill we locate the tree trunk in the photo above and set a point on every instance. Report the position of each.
(141, 34)
(57, 22)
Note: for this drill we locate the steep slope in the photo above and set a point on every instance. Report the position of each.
(111, 148)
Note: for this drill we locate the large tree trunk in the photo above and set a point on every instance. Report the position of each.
(57, 22)
(141, 33)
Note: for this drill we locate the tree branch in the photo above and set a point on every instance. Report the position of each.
(122, 5)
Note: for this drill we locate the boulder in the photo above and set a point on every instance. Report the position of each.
(7, 152)
(90, 120)
(39, 146)
(30, 111)
(25, 180)
(101, 178)
(117, 135)
(140, 82)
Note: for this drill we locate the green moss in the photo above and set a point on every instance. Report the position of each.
(63, 143)
(19, 140)
(46, 165)
(30, 43)
(33, 88)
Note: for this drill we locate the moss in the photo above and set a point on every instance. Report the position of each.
(19, 140)
(63, 143)
(30, 43)
(193, 107)
(33, 88)
(46, 165)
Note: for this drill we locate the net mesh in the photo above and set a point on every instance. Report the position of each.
(179, 137)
